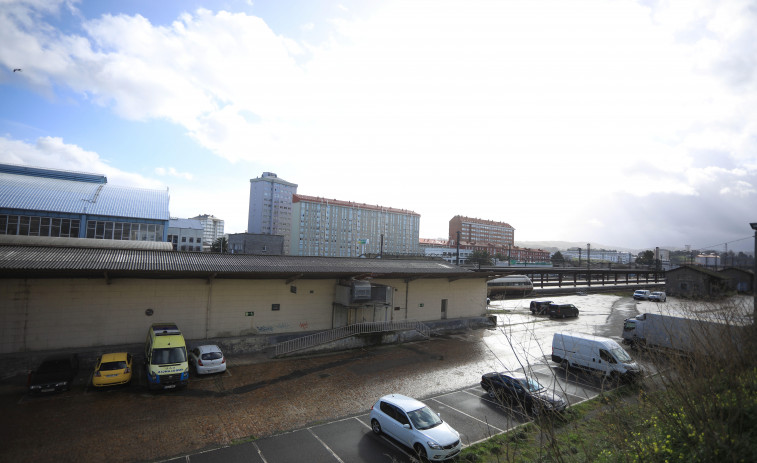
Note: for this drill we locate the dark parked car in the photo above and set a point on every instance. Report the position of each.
(539, 307)
(54, 374)
(562, 310)
(517, 389)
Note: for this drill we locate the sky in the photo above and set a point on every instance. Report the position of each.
(627, 123)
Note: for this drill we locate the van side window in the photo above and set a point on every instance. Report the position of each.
(629, 326)
(604, 355)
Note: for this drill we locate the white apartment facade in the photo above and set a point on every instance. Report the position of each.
(270, 211)
(334, 228)
(186, 234)
(213, 229)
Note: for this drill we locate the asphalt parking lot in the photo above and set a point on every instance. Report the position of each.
(309, 408)
(469, 410)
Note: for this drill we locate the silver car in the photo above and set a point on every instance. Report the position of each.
(413, 424)
(207, 359)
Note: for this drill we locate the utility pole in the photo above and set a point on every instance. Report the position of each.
(754, 281)
(458, 248)
(588, 264)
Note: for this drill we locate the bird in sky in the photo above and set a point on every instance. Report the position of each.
(17, 69)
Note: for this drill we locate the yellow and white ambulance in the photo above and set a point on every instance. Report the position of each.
(166, 357)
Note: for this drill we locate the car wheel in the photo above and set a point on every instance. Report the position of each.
(420, 452)
(376, 427)
(491, 393)
(564, 364)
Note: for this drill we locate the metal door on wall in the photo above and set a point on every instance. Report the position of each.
(444, 309)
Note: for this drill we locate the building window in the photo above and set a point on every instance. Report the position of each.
(38, 226)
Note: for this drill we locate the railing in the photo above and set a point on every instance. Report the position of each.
(324, 337)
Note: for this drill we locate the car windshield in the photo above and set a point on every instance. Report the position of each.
(621, 355)
(109, 366)
(212, 356)
(531, 384)
(169, 355)
(424, 418)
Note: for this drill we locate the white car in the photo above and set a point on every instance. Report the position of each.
(207, 359)
(413, 424)
(658, 296)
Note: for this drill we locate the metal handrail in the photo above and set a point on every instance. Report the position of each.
(324, 337)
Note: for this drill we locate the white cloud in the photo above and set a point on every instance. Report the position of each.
(172, 172)
(53, 153)
(531, 112)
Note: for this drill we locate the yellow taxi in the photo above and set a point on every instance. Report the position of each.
(112, 369)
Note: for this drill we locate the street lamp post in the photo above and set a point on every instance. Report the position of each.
(754, 277)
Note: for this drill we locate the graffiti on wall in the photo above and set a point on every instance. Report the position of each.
(271, 328)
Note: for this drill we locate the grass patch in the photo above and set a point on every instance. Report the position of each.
(698, 409)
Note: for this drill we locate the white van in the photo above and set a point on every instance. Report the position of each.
(593, 353)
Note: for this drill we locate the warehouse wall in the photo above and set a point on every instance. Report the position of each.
(45, 314)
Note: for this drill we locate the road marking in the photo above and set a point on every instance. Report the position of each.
(362, 422)
(325, 446)
(260, 452)
(469, 416)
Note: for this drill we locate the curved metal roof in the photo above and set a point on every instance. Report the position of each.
(30, 193)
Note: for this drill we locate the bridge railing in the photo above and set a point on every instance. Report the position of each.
(325, 337)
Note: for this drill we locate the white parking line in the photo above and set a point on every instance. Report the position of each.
(325, 446)
(469, 416)
(361, 421)
(260, 452)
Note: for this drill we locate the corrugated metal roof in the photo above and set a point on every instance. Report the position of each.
(75, 197)
(23, 261)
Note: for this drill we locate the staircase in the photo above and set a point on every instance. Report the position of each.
(325, 337)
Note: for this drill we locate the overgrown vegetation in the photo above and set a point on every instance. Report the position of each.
(696, 408)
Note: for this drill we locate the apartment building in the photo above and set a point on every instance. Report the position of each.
(335, 228)
(448, 251)
(598, 255)
(270, 211)
(186, 234)
(213, 229)
(480, 232)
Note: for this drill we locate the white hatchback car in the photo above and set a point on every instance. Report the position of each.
(413, 424)
(207, 359)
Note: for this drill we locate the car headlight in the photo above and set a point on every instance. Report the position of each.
(61, 384)
(35, 387)
(434, 445)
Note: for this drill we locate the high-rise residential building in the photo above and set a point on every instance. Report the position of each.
(481, 232)
(213, 227)
(334, 228)
(270, 210)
